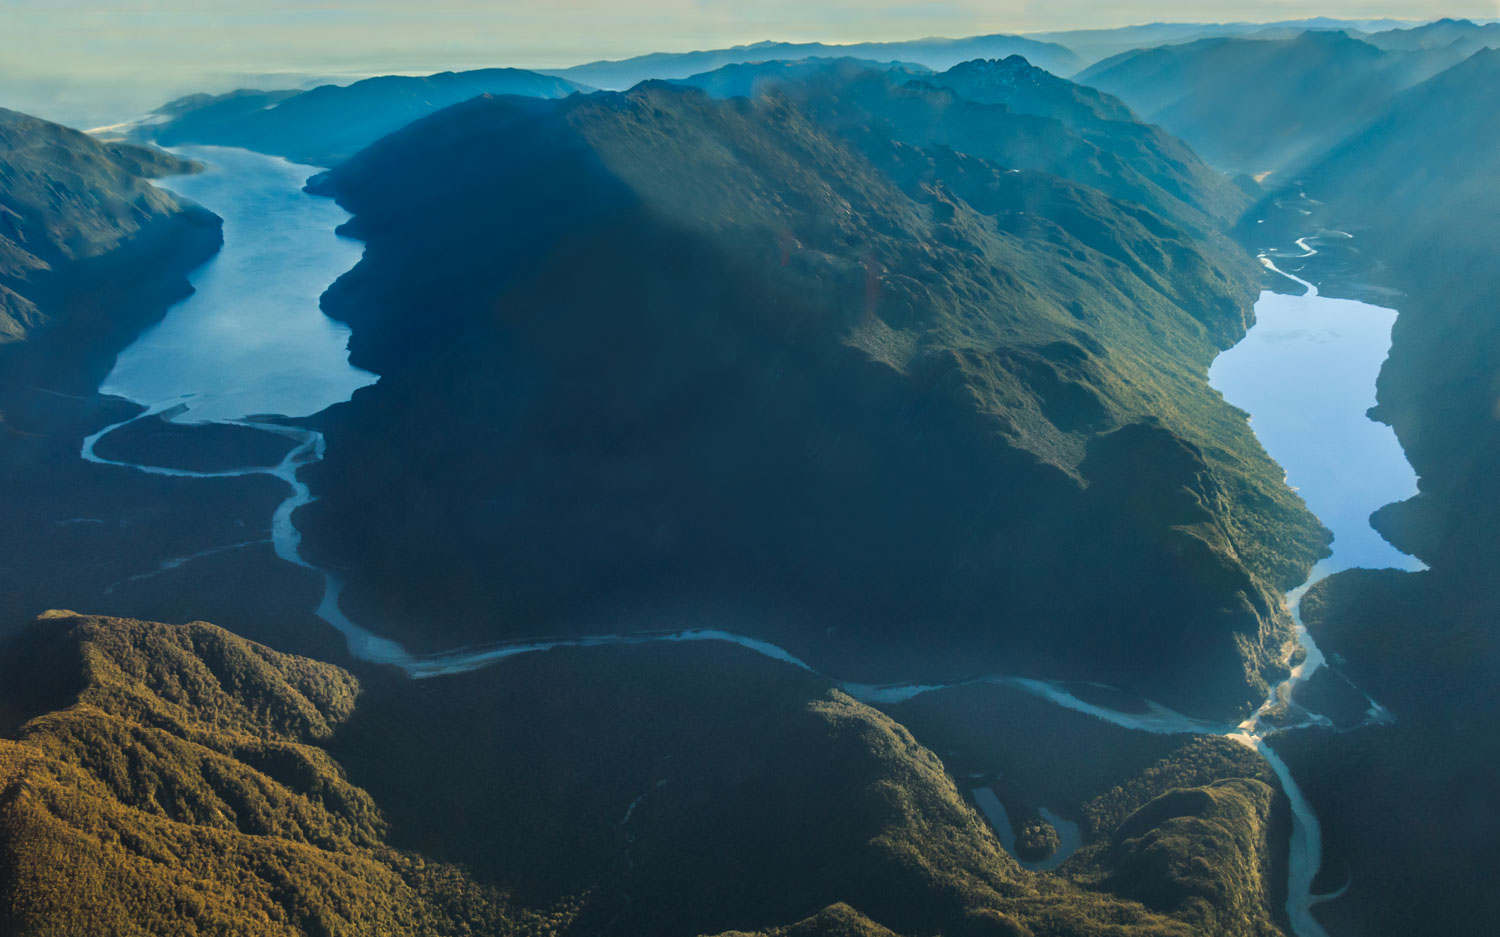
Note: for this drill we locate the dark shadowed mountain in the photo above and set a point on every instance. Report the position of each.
(89, 249)
(327, 124)
(1412, 808)
(767, 364)
(1257, 106)
(930, 53)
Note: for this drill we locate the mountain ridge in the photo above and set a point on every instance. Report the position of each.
(1258, 106)
(80, 223)
(190, 780)
(839, 278)
(1422, 643)
(324, 125)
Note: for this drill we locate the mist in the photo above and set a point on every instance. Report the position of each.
(89, 63)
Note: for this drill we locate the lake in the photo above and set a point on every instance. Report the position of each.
(251, 340)
(1306, 373)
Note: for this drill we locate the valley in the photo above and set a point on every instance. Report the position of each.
(807, 496)
(199, 402)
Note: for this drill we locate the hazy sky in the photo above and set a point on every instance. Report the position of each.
(275, 34)
(190, 43)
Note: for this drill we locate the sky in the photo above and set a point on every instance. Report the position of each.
(82, 51)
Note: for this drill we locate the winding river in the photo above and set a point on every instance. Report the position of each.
(251, 343)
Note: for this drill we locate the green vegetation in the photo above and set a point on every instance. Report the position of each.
(180, 790)
(180, 780)
(1010, 112)
(808, 365)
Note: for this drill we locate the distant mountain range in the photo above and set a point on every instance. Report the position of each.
(1256, 105)
(1304, 99)
(746, 79)
(1093, 45)
(77, 217)
(330, 123)
(843, 353)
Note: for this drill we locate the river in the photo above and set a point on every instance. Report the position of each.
(251, 342)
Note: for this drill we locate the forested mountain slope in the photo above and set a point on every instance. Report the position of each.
(767, 365)
(329, 123)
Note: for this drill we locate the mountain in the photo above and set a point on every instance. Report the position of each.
(1424, 644)
(1012, 113)
(745, 79)
(165, 780)
(91, 255)
(1094, 45)
(90, 251)
(1124, 147)
(1023, 88)
(930, 53)
(1450, 35)
(657, 358)
(1257, 106)
(329, 123)
(172, 782)
(1429, 156)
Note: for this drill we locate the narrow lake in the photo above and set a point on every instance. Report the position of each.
(251, 339)
(1306, 375)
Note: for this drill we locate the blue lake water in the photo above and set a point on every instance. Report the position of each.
(1306, 375)
(251, 339)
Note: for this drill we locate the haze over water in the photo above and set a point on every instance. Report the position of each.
(251, 340)
(1306, 374)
